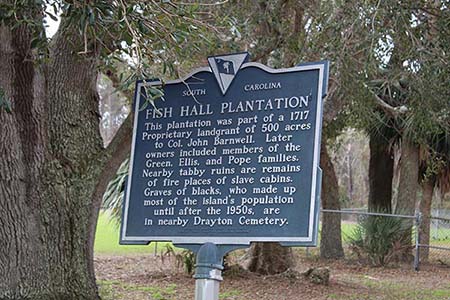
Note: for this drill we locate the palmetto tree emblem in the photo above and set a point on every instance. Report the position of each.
(225, 68)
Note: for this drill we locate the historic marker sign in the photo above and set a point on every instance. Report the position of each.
(228, 155)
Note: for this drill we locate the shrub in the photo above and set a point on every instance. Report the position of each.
(185, 258)
(381, 239)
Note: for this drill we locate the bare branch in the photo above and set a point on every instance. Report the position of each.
(394, 111)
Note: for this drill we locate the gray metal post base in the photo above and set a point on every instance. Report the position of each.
(208, 272)
(208, 269)
(207, 289)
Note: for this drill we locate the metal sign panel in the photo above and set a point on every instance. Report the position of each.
(229, 155)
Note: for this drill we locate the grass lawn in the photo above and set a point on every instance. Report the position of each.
(107, 240)
(114, 264)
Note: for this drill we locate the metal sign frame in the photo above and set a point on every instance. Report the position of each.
(310, 239)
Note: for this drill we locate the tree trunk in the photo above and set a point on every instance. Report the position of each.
(407, 191)
(330, 239)
(381, 170)
(350, 174)
(270, 258)
(409, 178)
(425, 209)
(51, 160)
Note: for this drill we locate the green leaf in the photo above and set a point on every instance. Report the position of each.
(55, 8)
(128, 38)
(91, 16)
(53, 17)
(35, 42)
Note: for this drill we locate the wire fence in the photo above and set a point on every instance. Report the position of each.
(428, 244)
(438, 248)
(440, 228)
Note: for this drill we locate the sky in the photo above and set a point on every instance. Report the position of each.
(51, 26)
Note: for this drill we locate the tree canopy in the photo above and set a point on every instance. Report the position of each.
(389, 76)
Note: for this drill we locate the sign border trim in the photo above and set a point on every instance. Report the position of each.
(321, 67)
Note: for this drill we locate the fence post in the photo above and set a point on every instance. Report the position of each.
(417, 222)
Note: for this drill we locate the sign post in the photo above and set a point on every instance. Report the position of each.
(226, 156)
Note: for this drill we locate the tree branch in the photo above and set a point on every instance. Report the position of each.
(332, 104)
(394, 111)
(116, 152)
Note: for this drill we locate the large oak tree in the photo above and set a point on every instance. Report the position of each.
(405, 79)
(53, 166)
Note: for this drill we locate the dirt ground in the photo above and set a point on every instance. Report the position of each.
(152, 278)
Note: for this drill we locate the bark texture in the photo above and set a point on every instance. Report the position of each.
(425, 209)
(51, 161)
(270, 258)
(381, 170)
(409, 178)
(407, 191)
(330, 239)
(20, 165)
